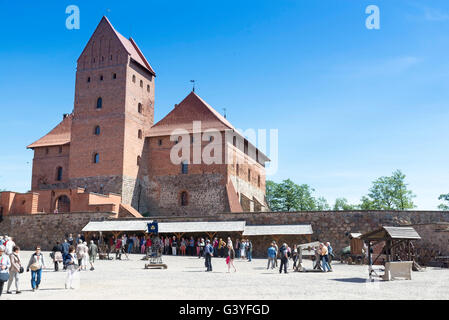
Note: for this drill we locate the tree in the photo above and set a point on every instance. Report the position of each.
(388, 193)
(342, 204)
(444, 206)
(289, 196)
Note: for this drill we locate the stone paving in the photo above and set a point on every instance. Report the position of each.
(185, 278)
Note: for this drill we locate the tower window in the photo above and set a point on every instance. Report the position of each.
(148, 87)
(139, 108)
(99, 103)
(59, 174)
(237, 169)
(234, 141)
(249, 175)
(60, 150)
(258, 181)
(47, 150)
(101, 78)
(159, 142)
(139, 134)
(110, 58)
(96, 158)
(138, 160)
(184, 167)
(184, 198)
(134, 78)
(141, 83)
(102, 58)
(114, 76)
(97, 130)
(88, 79)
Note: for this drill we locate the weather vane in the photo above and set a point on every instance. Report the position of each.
(193, 81)
(224, 112)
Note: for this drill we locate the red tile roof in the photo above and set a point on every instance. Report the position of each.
(60, 135)
(192, 108)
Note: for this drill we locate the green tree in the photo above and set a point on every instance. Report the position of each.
(388, 193)
(289, 196)
(342, 204)
(444, 206)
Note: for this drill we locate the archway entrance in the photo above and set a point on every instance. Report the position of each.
(63, 204)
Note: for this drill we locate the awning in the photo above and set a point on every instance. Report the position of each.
(385, 233)
(194, 227)
(298, 229)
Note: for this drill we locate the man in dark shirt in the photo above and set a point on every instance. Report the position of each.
(208, 253)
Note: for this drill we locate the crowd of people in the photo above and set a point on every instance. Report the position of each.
(322, 259)
(74, 254)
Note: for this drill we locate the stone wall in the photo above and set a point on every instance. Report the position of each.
(45, 229)
(29, 231)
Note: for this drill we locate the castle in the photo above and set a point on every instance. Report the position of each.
(108, 155)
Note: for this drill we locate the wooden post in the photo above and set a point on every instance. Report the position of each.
(370, 262)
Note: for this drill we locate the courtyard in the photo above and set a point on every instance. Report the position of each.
(186, 279)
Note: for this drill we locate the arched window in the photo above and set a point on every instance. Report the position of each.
(148, 87)
(59, 174)
(141, 83)
(99, 103)
(184, 167)
(97, 130)
(249, 175)
(134, 78)
(234, 141)
(96, 158)
(258, 181)
(184, 198)
(139, 108)
(139, 134)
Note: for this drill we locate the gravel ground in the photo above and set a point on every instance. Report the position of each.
(185, 278)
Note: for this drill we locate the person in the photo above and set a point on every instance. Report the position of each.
(215, 246)
(183, 247)
(208, 254)
(93, 250)
(330, 254)
(230, 258)
(85, 258)
(221, 247)
(70, 239)
(284, 258)
(277, 254)
(249, 249)
(118, 249)
(71, 268)
(202, 245)
(229, 243)
(56, 254)
(323, 253)
(80, 252)
(271, 256)
(295, 255)
(2, 241)
(130, 244)
(242, 249)
(5, 264)
(65, 251)
(166, 245)
(15, 270)
(174, 245)
(36, 264)
(237, 248)
(9, 245)
(149, 244)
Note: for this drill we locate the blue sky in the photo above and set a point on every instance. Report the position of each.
(350, 104)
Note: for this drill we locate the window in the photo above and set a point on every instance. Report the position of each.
(249, 175)
(139, 108)
(97, 130)
(88, 79)
(211, 138)
(139, 134)
(47, 150)
(59, 174)
(102, 58)
(184, 198)
(99, 103)
(134, 78)
(245, 147)
(138, 160)
(234, 141)
(184, 167)
(110, 58)
(141, 83)
(114, 76)
(258, 181)
(60, 150)
(101, 78)
(148, 87)
(159, 142)
(96, 158)
(237, 169)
